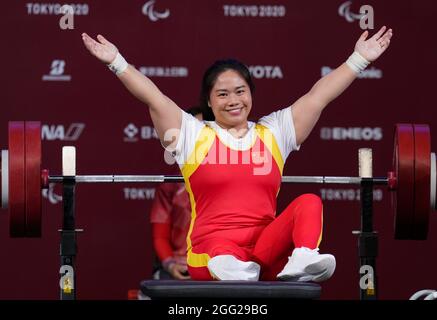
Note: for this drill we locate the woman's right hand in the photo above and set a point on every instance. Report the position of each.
(103, 50)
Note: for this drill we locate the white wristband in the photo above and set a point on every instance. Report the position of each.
(357, 62)
(118, 65)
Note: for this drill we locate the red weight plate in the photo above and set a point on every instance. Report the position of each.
(4, 181)
(422, 182)
(33, 178)
(17, 176)
(403, 166)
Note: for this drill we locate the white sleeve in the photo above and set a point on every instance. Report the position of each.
(282, 126)
(190, 129)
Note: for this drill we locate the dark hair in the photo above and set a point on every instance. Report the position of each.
(194, 110)
(210, 76)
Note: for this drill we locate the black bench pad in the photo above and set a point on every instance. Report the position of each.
(161, 289)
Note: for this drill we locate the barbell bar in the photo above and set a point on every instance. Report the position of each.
(175, 178)
(412, 180)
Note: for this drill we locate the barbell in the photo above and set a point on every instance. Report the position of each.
(411, 181)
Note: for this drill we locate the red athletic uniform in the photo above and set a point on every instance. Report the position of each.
(233, 184)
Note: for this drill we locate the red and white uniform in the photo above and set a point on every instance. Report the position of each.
(233, 184)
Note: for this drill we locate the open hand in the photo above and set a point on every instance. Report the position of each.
(103, 50)
(373, 47)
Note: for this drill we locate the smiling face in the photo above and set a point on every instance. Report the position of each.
(231, 100)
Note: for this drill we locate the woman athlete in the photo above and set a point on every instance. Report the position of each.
(232, 167)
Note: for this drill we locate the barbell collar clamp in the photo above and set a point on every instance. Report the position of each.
(358, 232)
(76, 230)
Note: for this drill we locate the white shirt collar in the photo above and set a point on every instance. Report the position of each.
(229, 140)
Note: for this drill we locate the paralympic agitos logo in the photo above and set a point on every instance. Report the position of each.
(149, 11)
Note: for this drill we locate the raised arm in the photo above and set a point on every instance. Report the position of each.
(306, 110)
(165, 114)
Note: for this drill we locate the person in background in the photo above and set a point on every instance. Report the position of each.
(170, 218)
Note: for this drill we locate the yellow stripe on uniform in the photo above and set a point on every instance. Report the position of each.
(269, 141)
(201, 148)
(321, 231)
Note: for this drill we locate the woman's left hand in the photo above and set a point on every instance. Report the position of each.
(373, 47)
